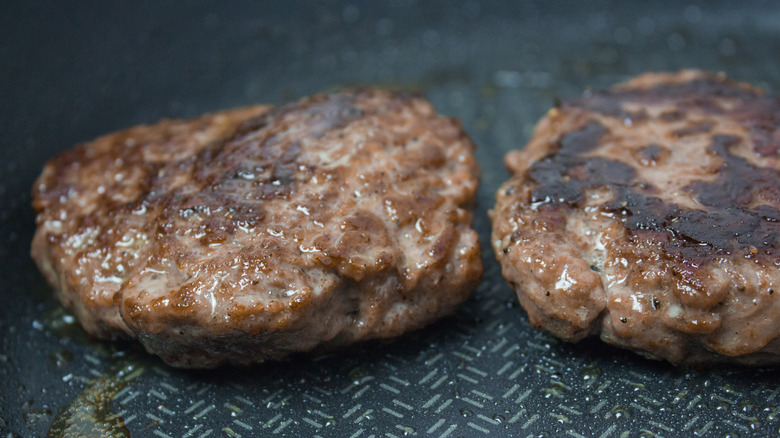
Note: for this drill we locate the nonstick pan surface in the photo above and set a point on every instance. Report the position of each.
(70, 71)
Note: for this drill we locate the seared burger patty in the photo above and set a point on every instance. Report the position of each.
(243, 236)
(648, 215)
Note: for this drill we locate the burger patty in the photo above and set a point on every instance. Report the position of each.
(247, 235)
(648, 215)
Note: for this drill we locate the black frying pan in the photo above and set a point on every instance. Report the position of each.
(72, 71)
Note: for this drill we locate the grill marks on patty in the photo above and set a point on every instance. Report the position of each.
(729, 220)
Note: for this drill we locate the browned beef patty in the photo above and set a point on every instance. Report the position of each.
(648, 215)
(243, 236)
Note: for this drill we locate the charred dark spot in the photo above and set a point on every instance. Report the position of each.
(695, 129)
(729, 222)
(563, 177)
(608, 104)
(671, 116)
(233, 177)
(761, 115)
(583, 140)
(727, 225)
